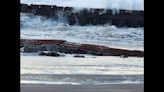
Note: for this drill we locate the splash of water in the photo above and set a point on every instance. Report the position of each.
(112, 4)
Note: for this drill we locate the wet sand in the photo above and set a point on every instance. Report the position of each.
(82, 88)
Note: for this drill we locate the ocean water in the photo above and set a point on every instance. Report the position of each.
(37, 27)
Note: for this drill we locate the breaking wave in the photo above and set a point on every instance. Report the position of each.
(38, 27)
(111, 4)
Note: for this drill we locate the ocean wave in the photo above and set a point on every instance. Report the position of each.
(37, 27)
(111, 4)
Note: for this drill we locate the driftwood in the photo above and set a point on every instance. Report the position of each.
(62, 46)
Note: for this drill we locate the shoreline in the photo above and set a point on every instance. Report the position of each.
(82, 88)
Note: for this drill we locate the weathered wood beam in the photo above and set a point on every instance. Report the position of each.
(63, 46)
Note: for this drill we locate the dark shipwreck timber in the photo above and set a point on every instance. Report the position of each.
(120, 18)
(62, 46)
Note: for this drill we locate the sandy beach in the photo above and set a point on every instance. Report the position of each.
(82, 88)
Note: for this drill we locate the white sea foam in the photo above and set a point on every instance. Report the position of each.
(46, 82)
(36, 27)
(73, 83)
(70, 65)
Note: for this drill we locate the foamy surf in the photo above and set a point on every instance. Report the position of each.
(36, 27)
